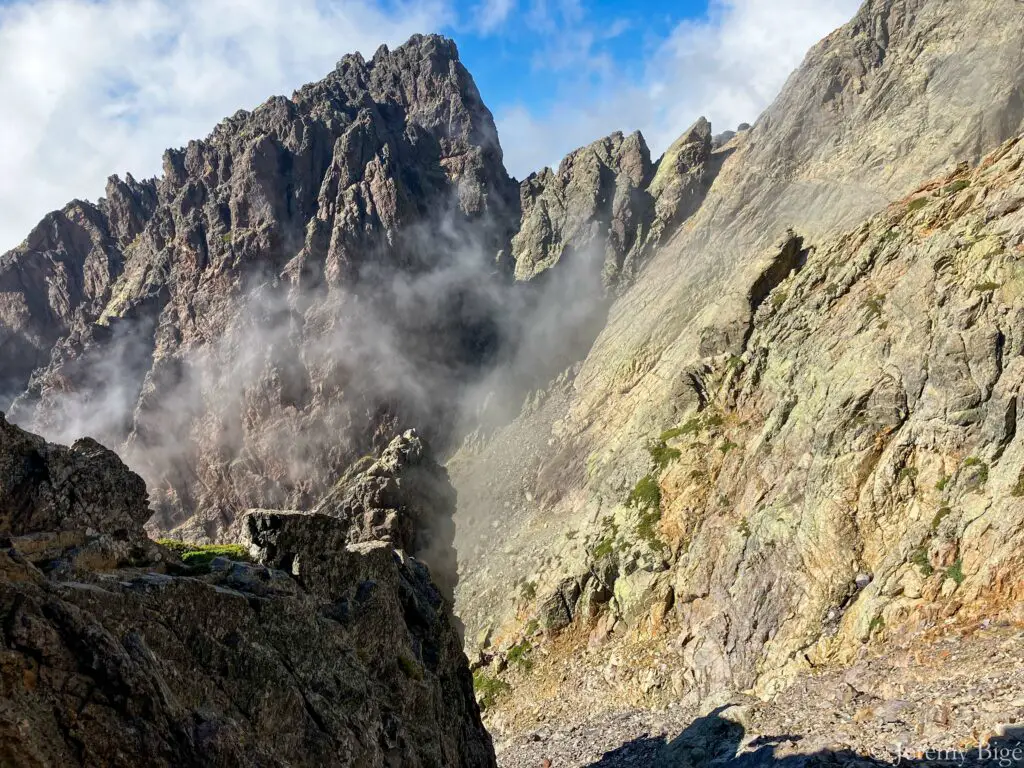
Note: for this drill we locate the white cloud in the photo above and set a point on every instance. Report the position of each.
(90, 88)
(727, 66)
(490, 15)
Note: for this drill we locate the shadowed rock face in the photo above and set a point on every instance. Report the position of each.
(114, 653)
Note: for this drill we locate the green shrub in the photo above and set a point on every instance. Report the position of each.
(877, 624)
(727, 446)
(488, 688)
(744, 528)
(203, 554)
(778, 299)
(662, 455)
(956, 572)
(917, 204)
(519, 654)
(920, 558)
(646, 494)
(942, 483)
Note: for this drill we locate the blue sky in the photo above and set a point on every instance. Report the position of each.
(96, 87)
(514, 63)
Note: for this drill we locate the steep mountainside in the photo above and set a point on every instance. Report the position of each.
(116, 653)
(771, 523)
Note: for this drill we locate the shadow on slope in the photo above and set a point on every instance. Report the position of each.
(714, 740)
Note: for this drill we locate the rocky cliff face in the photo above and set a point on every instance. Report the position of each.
(319, 274)
(651, 509)
(609, 205)
(116, 653)
(312, 275)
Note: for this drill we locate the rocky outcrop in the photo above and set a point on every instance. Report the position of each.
(403, 497)
(608, 205)
(67, 264)
(317, 653)
(593, 208)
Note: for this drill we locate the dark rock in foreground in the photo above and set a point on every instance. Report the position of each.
(348, 656)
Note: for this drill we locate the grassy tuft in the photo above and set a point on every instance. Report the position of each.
(662, 455)
(873, 305)
(519, 654)
(604, 548)
(727, 446)
(410, 667)
(646, 494)
(1018, 488)
(488, 688)
(647, 528)
(917, 204)
(941, 515)
(981, 473)
(203, 554)
(956, 572)
(957, 186)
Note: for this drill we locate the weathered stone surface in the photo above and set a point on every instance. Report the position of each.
(348, 656)
(608, 205)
